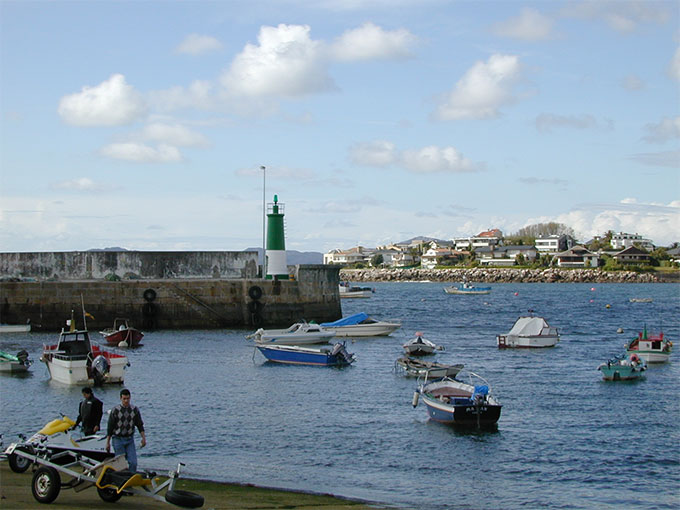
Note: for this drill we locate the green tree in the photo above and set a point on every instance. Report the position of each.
(377, 260)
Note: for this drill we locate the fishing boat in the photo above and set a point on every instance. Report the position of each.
(419, 368)
(532, 332)
(122, 334)
(74, 360)
(332, 356)
(623, 368)
(347, 290)
(300, 333)
(16, 328)
(651, 348)
(641, 300)
(420, 346)
(467, 288)
(11, 364)
(360, 324)
(457, 403)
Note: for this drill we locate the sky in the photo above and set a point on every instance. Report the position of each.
(146, 124)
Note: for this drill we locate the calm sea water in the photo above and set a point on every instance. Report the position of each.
(566, 439)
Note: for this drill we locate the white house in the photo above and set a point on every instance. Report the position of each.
(623, 240)
(554, 243)
(577, 256)
(505, 255)
(346, 257)
(492, 237)
(404, 259)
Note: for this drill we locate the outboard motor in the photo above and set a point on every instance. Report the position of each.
(100, 367)
(22, 356)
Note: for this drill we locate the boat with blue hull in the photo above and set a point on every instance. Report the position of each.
(333, 356)
(459, 404)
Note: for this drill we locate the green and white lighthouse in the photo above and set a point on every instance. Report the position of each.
(277, 267)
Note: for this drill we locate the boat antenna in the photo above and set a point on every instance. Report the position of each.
(82, 305)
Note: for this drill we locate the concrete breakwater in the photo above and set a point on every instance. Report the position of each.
(497, 275)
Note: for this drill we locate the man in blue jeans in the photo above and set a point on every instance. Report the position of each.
(121, 428)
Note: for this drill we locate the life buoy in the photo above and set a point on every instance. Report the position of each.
(255, 292)
(634, 358)
(149, 295)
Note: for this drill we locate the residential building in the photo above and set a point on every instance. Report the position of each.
(347, 257)
(632, 255)
(505, 255)
(405, 259)
(554, 243)
(436, 255)
(577, 256)
(623, 240)
(492, 237)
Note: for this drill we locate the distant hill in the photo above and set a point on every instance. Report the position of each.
(425, 239)
(294, 257)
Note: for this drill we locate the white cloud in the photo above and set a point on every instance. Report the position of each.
(113, 102)
(436, 159)
(546, 122)
(141, 153)
(674, 67)
(372, 42)
(199, 94)
(667, 129)
(378, 153)
(285, 62)
(633, 82)
(623, 17)
(174, 134)
(83, 184)
(196, 44)
(530, 25)
(484, 88)
(670, 159)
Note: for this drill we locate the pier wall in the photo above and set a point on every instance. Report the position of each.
(175, 303)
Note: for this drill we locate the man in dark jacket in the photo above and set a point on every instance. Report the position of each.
(89, 412)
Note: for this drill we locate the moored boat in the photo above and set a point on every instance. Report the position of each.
(300, 333)
(623, 368)
(420, 346)
(651, 348)
(467, 288)
(16, 328)
(456, 403)
(122, 334)
(11, 364)
(335, 355)
(74, 360)
(347, 290)
(532, 332)
(360, 324)
(419, 368)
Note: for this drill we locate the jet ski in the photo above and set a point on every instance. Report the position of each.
(57, 443)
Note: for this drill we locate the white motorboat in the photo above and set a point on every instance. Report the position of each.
(419, 368)
(651, 348)
(419, 346)
(74, 360)
(360, 324)
(11, 364)
(300, 333)
(347, 290)
(16, 328)
(467, 288)
(529, 332)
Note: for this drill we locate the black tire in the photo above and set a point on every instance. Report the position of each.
(109, 495)
(18, 464)
(185, 499)
(148, 309)
(149, 295)
(46, 484)
(255, 292)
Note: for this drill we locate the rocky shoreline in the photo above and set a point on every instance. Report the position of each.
(498, 275)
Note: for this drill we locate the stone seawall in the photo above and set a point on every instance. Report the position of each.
(497, 275)
(176, 303)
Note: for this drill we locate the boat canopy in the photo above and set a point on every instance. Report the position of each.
(350, 320)
(532, 326)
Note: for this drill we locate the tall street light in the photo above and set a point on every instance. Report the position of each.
(264, 216)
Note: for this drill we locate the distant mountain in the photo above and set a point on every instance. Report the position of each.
(424, 239)
(294, 257)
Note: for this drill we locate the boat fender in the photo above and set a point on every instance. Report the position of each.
(255, 292)
(149, 295)
(416, 396)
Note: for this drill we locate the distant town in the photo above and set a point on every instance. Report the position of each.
(611, 251)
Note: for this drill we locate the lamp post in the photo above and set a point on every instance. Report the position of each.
(264, 215)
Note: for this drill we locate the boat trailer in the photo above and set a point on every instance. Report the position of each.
(110, 477)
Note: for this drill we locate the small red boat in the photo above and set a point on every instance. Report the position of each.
(122, 334)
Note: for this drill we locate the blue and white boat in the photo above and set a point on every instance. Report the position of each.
(360, 324)
(467, 288)
(456, 403)
(332, 356)
(623, 368)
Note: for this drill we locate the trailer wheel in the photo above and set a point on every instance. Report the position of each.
(46, 484)
(185, 499)
(109, 495)
(18, 464)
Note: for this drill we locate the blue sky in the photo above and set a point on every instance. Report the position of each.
(144, 124)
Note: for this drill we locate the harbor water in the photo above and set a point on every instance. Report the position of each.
(565, 439)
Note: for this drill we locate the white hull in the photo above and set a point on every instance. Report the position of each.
(529, 342)
(15, 328)
(375, 329)
(284, 339)
(651, 356)
(12, 367)
(357, 294)
(75, 372)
